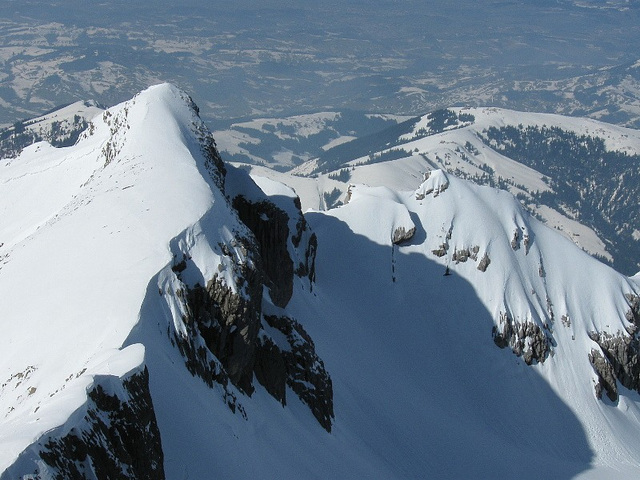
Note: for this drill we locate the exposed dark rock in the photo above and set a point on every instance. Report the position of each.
(118, 437)
(464, 254)
(515, 240)
(460, 255)
(401, 234)
(270, 225)
(299, 367)
(526, 339)
(606, 376)
(225, 339)
(441, 251)
(622, 354)
(308, 267)
(228, 323)
(213, 162)
(541, 271)
(633, 314)
(484, 263)
(222, 346)
(271, 370)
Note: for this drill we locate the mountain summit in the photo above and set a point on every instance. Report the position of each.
(165, 315)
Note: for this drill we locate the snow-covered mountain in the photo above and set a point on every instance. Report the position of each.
(577, 175)
(60, 127)
(165, 315)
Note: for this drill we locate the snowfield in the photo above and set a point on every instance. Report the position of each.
(456, 329)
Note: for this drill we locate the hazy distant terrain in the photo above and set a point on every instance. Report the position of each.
(250, 58)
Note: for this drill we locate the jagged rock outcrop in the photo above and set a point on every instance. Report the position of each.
(606, 376)
(270, 225)
(226, 340)
(526, 339)
(401, 234)
(299, 367)
(621, 360)
(633, 314)
(484, 263)
(435, 182)
(228, 323)
(464, 254)
(117, 438)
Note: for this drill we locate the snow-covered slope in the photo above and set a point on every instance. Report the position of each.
(164, 315)
(577, 175)
(61, 127)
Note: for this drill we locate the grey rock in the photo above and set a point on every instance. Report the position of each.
(401, 234)
(606, 376)
(299, 367)
(622, 355)
(484, 263)
(517, 335)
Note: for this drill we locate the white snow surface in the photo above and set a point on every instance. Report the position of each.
(420, 388)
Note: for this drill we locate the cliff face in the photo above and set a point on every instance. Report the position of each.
(225, 331)
(231, 338)
(115, 436)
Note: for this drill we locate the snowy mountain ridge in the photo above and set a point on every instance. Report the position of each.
(575, 174)
(166, 315)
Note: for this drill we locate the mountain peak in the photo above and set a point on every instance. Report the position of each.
(151, 290)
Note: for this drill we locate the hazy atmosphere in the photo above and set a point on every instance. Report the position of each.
(251, 58)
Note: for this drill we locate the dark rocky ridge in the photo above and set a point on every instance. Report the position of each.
(269, 224)
(297, 368)
(117, 438)
(228, 337)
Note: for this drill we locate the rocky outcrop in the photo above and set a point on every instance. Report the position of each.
(228, 340)
(633, 314)
(118, 437)
(284, 251)
(401, 234)
(606, 376)
(484, 263)
(228, 323)
(464, 254)
(621, 360)
(526, 339)
(298, 367)
(435, 182)
(270, 225)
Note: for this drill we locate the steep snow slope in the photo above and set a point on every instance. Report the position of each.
(159, 303)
